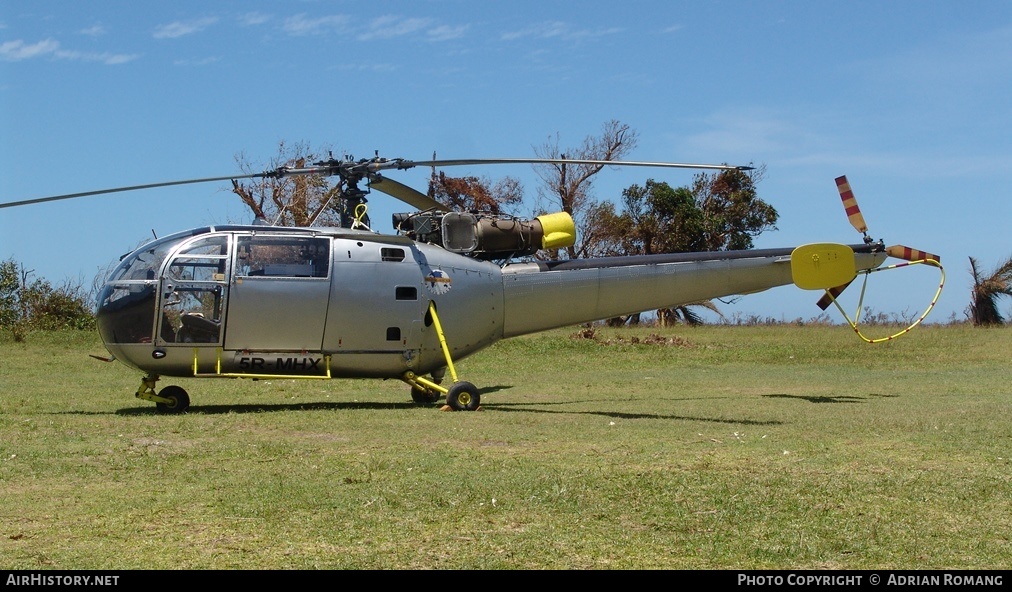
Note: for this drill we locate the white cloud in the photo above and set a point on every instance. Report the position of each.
(200, 62)
(300, 24)
(15, 51)
(541, 30)
(818, 140)
(110, 59)
(384, 27)
(253, 18)
(446, 32)
(387, 27)
(558, 30)
(746, 131)
(182, 28)
(93, 31)
(118, 58)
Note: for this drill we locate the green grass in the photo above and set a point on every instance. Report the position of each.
(731, 448)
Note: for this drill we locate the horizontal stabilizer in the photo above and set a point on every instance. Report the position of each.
(821, 266)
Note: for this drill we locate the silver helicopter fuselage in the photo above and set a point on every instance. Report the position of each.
(256, 300)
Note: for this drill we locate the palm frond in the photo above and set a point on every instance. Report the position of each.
(986, 290)
(687, 315)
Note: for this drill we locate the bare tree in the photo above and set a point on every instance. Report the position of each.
(568, 186)
(300, 200)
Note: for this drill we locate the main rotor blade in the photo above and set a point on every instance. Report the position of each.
(407, 164)
(412, 197)
(334, 167)
(26, 202)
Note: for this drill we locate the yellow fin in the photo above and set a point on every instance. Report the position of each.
(821, 266)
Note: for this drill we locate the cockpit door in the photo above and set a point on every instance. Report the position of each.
(193, 292)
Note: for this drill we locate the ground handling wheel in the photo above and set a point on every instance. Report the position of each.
(463, 396)
(179, 401)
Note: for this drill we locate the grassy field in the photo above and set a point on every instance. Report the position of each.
(690, 448)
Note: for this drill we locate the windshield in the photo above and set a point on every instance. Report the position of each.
(126, 306)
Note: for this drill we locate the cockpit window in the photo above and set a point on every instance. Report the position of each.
(203, 260)
(127, 303)
(143, 264)
(209, 245)
(283, 256)
(198, 269)
(191, 313)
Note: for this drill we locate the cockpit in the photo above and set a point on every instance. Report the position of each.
(193, 284)
(176, 289)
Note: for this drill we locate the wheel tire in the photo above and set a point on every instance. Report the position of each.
(179, 400)
(424, 397)
(463, 396)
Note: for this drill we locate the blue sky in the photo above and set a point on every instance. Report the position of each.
(910, 100)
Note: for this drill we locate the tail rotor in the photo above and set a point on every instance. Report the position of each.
(851, 207)
(857, 221)
(908, 255)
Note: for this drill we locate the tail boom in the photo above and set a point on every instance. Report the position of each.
(547, 295)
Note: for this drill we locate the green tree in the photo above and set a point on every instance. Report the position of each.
(986, 290)
(733, 214)
(662, 219)
(10, 292)
(28, 303)
(721, 211)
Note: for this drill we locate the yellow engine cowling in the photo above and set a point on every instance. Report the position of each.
(558, 230)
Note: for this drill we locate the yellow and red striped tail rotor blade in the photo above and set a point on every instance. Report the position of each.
(908, 254)
(850, 204)
(826, 299)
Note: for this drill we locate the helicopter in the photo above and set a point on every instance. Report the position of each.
(268, 302)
